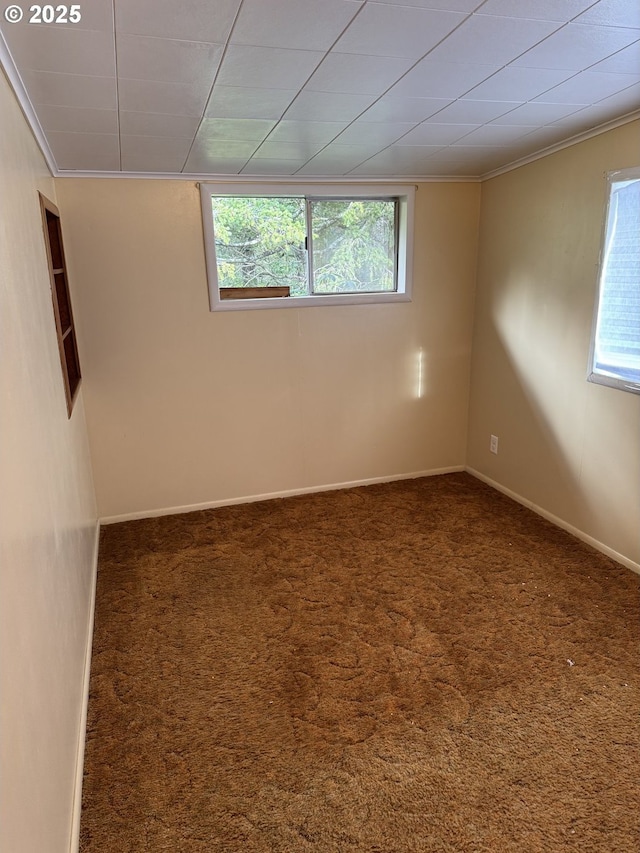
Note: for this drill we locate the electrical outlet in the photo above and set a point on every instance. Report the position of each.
(493, 446)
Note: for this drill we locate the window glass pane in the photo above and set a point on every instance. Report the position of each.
(617, 344)
(354, 245)
(260, 242)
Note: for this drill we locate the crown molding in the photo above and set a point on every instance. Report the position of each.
(216, 178)
(566, 143)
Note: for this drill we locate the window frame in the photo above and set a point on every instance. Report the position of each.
(594, 375)
(405, 195)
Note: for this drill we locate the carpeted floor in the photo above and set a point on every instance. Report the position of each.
(415, 666)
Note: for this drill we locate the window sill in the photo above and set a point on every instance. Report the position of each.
(308, 301)
(611, 382)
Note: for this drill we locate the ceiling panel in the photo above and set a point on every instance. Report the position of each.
(273, 149)
(152, 124)
(443, 5)
(173, 146)
(518, 84)
(612, 13)
(589, 87)
(605, 110)
(241, 102)
(432, 79)
(374, 132)
(168, 60)
(323, 87)
(538, 114)
(431, 133)
(393, 108)
(219, 149)
(64, 50)
(306, 131)
(625, 61)
(500, 39)
(500, 135)
(541, 137)
(264, 167)
(347, 153)
(75, 120)
(267, 67)
(472, 112)
(235, 128)
(381, 30)
(486, 154)
(200, 162)
(337, 159)
(152, 96)
(195, 20)
(328, 106)
(577, 46)
(399, 159)
(150, 153)
(71, 90)
(85, 150)
(623, 103)
(302, 24)
(357, 74)
(545, 10)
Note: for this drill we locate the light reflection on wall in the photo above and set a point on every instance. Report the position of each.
(420, 374)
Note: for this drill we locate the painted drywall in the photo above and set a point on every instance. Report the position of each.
(47, 523)
(568, 446)
(185, 406)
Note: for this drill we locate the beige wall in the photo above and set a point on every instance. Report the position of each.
(187, 407)
(568, 446)
(47, 522)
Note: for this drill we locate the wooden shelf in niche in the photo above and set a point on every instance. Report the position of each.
(63, 313)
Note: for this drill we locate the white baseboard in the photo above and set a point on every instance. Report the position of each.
(82, 733)
(559, 522)
(175, 510)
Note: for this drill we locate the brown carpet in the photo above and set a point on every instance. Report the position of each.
(416, 666)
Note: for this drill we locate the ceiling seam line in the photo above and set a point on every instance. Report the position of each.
(215, 77)
(326, 53)
(117, 81)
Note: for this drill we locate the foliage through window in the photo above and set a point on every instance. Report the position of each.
(316, 247)
(615, 357)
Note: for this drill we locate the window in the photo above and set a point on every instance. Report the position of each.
(615, 348)
(61, 301)
(269, 247)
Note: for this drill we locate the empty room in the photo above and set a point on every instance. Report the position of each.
(320, 426)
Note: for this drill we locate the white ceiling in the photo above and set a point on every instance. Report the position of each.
(420, 88)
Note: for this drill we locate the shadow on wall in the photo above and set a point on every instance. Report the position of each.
(543, 358)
